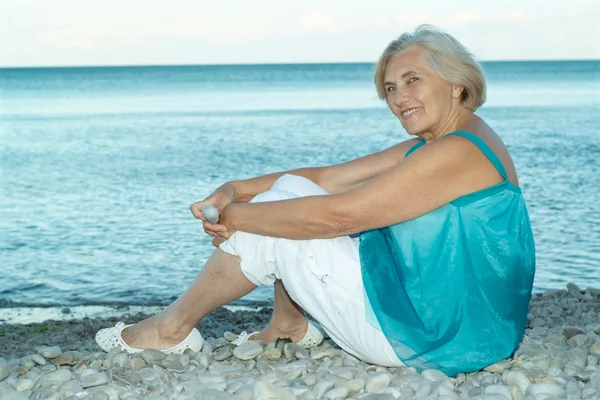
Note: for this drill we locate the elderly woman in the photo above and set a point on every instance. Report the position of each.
(420, 255)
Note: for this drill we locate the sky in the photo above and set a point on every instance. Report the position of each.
(174, 32)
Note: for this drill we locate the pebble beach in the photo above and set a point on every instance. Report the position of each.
(558, 358)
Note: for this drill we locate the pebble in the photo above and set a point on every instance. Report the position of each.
(153, 356)
(340, 392)
(4, 369)
(557, 358)
(322, 387)
(247, 350)
(50, 352)
(377, 382)
(223, 353)
(94, 379)
(545, 388)
(67, 358)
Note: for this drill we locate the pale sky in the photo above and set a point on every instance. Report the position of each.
(167, 32)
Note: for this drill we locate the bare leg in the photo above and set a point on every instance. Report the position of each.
(288, 320)
(220, 282)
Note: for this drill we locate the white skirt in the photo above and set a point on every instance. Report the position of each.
(322, 275)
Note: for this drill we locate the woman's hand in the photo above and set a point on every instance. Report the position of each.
(220, 199)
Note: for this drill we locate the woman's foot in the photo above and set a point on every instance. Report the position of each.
(154, 333)
(295, 330)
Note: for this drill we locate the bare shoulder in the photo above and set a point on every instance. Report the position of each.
(482, 130)
(398, 151)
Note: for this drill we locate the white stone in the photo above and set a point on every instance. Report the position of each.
(378, 381)
(247, 350)
(38, 359)
(50, 352)
(424, 389)
(24, 384)
(434, 375)
(264, 390)
(322, 387)
(547, 388)
(70, 388)
(354, 385)
(572, 390)
(338, 392)
(516, 378)
(499, 389)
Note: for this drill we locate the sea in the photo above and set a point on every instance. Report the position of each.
(99, 165)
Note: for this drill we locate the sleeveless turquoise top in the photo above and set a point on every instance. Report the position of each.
(450, 289)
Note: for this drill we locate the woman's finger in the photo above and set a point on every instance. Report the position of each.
(214, 227)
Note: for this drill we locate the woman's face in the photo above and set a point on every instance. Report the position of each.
(423, 102)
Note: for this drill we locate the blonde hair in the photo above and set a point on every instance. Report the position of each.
(448, 58)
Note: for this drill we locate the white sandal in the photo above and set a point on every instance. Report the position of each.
(313, 337)
(109, 338)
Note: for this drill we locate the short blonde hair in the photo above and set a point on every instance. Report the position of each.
(448, 58)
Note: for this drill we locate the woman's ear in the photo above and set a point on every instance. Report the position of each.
(457, 91)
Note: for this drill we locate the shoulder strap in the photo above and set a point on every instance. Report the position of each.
(485, 149)
(415, 147)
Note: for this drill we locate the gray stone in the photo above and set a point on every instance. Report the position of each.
(289, 350)
(247, 350)
(570, 331)
(14, 395)
(58, 376)
(223, 353)
(319, 353)
(301, 353)
(153, 356)
(5, 369)
(70, 388)
(38, 359)
(49, 352)
(322, 387)
(94, 379)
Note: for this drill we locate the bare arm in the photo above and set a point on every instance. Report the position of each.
(334, 179)
(437, 174)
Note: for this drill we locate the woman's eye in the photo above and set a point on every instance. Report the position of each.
(413, 79)
(390, 89)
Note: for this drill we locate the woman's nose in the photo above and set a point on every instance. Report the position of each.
(400, 97)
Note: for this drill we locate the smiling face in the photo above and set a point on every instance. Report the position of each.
(425, 104)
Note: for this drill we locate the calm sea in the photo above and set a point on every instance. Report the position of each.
(99, 165)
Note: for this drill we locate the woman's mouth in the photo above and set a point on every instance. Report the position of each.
(409, 112)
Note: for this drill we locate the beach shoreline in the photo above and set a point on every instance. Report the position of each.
(558, 357)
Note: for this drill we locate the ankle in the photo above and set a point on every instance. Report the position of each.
(290, 325)
(170, 326)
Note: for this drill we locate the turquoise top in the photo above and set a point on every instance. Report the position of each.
(450, 289)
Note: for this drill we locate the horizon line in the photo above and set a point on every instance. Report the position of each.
(262, 64)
